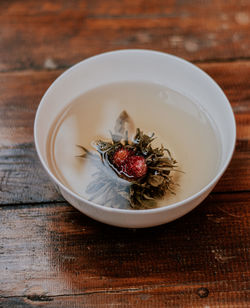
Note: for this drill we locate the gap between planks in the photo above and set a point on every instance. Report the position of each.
(120, 291)
(62, 68)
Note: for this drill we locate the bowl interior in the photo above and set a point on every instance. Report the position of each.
(142, 66)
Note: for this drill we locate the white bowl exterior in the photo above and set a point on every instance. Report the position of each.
(133, 219)
(136, 65)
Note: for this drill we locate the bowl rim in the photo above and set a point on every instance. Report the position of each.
(133, 211)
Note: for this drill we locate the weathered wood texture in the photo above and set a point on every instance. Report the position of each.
(35, 32)
(52, 255)
(52, 251)
(22, 178)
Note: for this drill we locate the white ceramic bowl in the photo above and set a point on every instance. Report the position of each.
(136, 65)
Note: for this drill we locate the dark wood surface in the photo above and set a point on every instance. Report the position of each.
(53, 256)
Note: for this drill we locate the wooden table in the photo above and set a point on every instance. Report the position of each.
(51, 255)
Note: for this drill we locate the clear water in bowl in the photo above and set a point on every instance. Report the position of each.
(178, 123)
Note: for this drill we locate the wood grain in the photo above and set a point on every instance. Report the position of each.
(45, 34)
(53, 250)
(160, 297)
(22, 179)
(20, 94)
(52, 255)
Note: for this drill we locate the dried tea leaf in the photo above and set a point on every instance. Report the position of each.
(155, 180)
(120, 122)
(124, 124)
(85, 152)
(102, 146)
(147, 197)
(116, 138)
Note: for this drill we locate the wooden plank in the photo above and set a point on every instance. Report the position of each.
(127, 8)
(237, 176)
(22, 177)
(24, 181)
(53, 250)
(59, 34)
(20, 94)
(52, 255)
(231, 77)
(30, 8)
(161, 297)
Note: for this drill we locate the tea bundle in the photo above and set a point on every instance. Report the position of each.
(146, 168)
